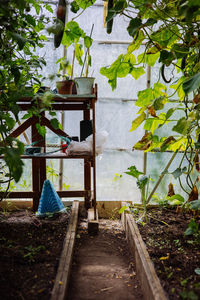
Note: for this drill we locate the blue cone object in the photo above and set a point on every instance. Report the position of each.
(50, 202)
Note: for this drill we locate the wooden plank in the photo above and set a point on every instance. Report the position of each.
(150, 282)
(71, 193)
(57, 156)
(47, 123)
(57, 106)
(20, 129)
(59, 291)
(21, 195)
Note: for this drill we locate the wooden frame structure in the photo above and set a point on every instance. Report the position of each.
(85, 103)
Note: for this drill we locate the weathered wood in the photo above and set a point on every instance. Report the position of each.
(36, 194)
(150, 282)
(59, 291)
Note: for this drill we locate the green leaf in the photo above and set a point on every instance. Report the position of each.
(87, 41)
(19, 39)
(178, 172)
(137, 121)
(79, 53)
(13, 160)
(145, 97)
(55, 123)
(133, 26)
(142, 181)
(123, 208)
(41, 129)
(137, 72)
(74, 7)
(169, 113)
(85, 3)
(181, 126)
(176, 197)
(136, 42)
(123, 69)
(166, 57)
(192, 84)
(133, 171)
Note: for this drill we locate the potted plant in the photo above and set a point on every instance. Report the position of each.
(84, 83)
(65, 86)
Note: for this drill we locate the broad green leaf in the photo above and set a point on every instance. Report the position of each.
(152, 124)
(142, 181)
(111, 72)
(191, 84)
(159, 103)
(85, 3)
(178, 172)
(166, 57)
(129, 57)
(137, 72)
(137, 121)
(182, 126)
(74, 7)
(41, 129)
(55, 123)
(145, 97)
(176, 197)
(133, 26)
(179, 144)
(133, 171)
(123, 70)
(136, 42)
(150, 59)
(165, 36)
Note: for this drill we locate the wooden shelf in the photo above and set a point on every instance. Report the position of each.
(58, 156)
(74, 102)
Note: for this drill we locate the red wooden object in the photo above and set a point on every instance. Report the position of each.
(61, 103)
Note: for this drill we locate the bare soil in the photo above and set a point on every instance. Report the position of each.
(30, 250)
(175, 256)
(103, 267)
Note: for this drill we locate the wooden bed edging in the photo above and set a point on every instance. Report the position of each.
(59, 291)
(150, 283)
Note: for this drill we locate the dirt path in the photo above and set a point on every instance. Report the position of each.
(103, 267)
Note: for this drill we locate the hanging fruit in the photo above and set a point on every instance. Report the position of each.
(61, 14)
(170, 190)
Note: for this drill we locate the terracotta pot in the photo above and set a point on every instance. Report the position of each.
(65, 87)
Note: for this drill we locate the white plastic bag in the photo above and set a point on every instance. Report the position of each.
(100, 139)
(87, 145)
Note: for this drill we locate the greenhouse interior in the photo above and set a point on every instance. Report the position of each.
(99, 145)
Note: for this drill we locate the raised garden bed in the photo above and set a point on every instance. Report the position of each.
(30, 251)
(171, 256)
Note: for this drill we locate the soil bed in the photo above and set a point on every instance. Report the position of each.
(30, 250)
(103, 267)
(174, 255)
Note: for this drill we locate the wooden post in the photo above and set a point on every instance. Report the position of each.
(87, 169)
